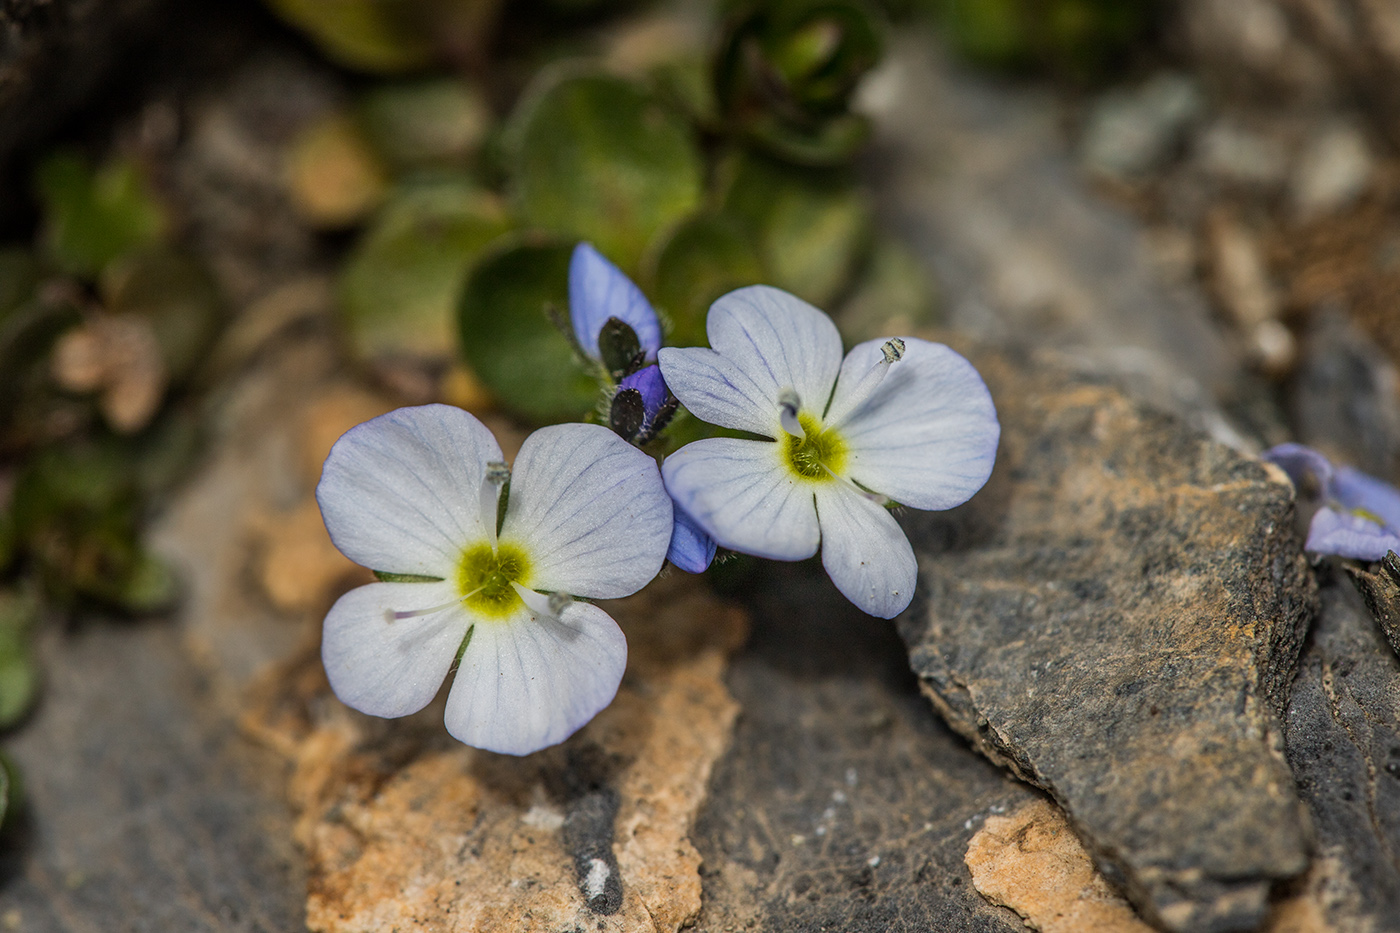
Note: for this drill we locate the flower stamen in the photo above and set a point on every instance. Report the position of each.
(891, 352)
(497, 475)
(789, 404)
(391, 616)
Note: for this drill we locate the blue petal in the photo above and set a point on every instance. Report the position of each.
(649, 383)
(597, 291)
(1309, 470)
(1356, 491)
(1348, 535)
(691, 549)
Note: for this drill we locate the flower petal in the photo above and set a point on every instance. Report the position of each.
(387, 666)
(691, 549)
(865, 552)
(400, 493)
(1347, 535)
(1309, 470)
(764, 340)
(927, 436)
(1361, 491)
(739, 492)
(531, 681)
(590, 511)
(597, 291)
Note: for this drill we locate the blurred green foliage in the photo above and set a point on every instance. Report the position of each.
(78, 508)
(715, 165)
(380, 36)
(92, 217)
(175, 295)
(512, 344)
(786, 70)
(599, 158)
(19, 670)
(398, 288)
(1077, 40)
(425, 123)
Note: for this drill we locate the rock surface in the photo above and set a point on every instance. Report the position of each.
(843, 802)
(1116, 618)
(1032, 862)
(1381, 590)
(146, 811)
(1344, 745)
(984, 186)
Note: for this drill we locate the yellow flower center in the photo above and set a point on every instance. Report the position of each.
(817, 454)
(484, 578)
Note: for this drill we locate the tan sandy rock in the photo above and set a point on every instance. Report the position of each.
(1032, 862)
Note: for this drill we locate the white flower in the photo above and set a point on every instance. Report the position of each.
(415, 493)
(903, 420)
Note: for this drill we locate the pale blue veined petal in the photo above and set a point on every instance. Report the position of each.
(741, 494)
(865, 552)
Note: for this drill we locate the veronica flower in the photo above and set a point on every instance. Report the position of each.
(1359, 516)
(904, 421)
(415, 495)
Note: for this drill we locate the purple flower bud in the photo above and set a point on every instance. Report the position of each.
(652, 387)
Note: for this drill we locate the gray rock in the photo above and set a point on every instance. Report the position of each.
(843, 803)
(146, 810)
(1381, 590)
(1128, 133)
(980, 181)
(1115, 618)
(1343, 738)
(1238, 155)
(1346, 396)
(1333, 170)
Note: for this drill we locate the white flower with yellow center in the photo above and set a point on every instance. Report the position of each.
(415, 495)
(898, 421)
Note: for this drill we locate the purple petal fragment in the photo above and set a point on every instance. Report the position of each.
(1348, 535)
(1309, 470)
(691, 549)
(1358, 492)
(1360, 515)
(597, 291)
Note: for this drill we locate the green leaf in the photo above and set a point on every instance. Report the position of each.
(399, 288)
(378, 36)
(77, 511)
(785, 72)
(508, 339)
(812, 226)
(437, 123)
(703, 258)
(19, 669)
(599, 158)
(176, 295)
(92, 218)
